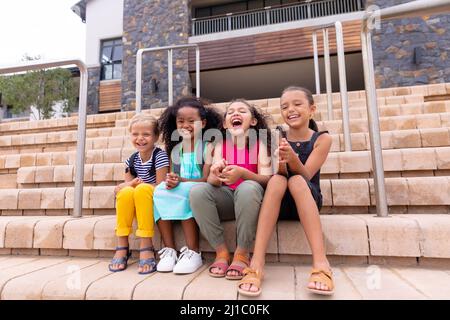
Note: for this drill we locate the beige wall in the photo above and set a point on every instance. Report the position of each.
(104, 20)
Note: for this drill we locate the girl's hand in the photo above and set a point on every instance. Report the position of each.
(218, 167)
(172, 180)
(135, 182)
(285, 152)
(231, 174)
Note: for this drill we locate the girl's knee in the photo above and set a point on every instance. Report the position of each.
(144, 188)
(277, 182)
(297, 183)
(199, 192)
(249, 187)
(126, 192)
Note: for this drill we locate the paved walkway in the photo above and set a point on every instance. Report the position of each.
(28, 277)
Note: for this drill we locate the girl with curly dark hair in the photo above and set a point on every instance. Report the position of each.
(183, 126)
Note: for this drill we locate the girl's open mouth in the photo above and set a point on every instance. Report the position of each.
(236, 123)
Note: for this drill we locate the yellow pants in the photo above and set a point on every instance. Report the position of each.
(135, 201)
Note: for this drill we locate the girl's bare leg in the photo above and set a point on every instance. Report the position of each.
(190, 230)
(309, 217)
(268, 216)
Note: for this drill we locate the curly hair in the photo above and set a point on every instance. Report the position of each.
(168, 120)
(259, 116)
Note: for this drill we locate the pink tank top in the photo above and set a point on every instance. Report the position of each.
(241, 157)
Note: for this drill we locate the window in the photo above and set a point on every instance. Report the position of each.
(111, 59)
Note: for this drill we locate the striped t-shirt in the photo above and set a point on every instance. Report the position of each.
(143, 169)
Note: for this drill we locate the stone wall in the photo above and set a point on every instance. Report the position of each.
(93, 90)
(396, 42)
(151, 24)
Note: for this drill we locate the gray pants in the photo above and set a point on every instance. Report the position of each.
(211, 204)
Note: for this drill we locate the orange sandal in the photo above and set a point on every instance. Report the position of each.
(253, 277)
(324, 277)
(220, 265)
(238, 268)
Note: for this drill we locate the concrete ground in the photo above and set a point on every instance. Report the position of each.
(37, 277)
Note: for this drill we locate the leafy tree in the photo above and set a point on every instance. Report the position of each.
(41, 89)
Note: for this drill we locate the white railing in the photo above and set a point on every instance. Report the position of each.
(342, 75)
(81, 137)
(273, 15)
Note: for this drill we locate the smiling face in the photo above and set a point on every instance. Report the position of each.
(239, 119)
(143, 136)
(189, 122)
(296, 109)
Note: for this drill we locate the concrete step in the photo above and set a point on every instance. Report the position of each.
(383, 111)
(412, 194)
(395, 136)
(347, 237)
(62, 124)
(64, 278)
(342, 165)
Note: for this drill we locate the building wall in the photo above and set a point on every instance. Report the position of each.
(394, 46)
(150, 24)
(103, 21)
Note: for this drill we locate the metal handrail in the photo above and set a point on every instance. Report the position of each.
(81, 138)
(169, 50)
(410, 9)
(342, 75)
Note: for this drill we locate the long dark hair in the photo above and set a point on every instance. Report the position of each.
(312, 124)
(168, 120)
(260, 118)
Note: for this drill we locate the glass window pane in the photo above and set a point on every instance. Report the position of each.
(107, 72)
(117, 54)
(117, 71)
(270, 3)
(255, 4)
(118, 42)
(106, 55)
(202, 12)
(108, 43)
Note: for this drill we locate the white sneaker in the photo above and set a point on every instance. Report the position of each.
(167, 259)
(188, 262)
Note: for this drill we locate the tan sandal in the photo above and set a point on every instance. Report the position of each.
(253, 277)
(324, 277)
(220, 265)
(234, 267)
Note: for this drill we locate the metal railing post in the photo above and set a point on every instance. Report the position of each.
(316, 62)
(197, 71)
(343, 86)
(267, 14)
(326, 53)
(374, 125)
(170, 70)
(170, 76)
(229, 21)
(81, 133)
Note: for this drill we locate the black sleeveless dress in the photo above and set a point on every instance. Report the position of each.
(303, 149)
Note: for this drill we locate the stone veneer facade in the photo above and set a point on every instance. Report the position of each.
(151, 24)
(93, 90)
(394, 45)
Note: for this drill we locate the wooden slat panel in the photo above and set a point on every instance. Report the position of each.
(270, 47)
(110, 96)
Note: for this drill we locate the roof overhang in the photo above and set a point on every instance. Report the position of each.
(80, 9)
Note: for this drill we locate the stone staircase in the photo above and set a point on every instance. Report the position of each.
(40, 241)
